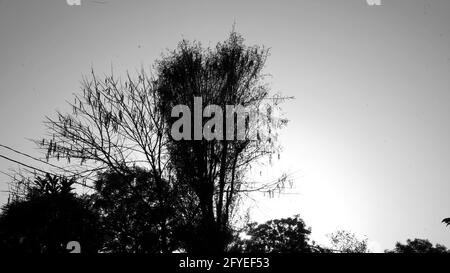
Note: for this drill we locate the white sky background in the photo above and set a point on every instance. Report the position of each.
(369, 131)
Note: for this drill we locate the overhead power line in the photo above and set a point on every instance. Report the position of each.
(34, 158)
(40, 170)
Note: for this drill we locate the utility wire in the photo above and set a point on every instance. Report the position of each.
(23, 164)
(34, 158)
(42, 161)
(37, 169)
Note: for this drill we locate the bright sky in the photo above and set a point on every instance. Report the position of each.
(369, 137)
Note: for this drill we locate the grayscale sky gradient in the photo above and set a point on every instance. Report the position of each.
(369, 138)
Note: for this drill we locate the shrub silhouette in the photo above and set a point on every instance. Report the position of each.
(418, 246)
(286, 235)
(48, 218)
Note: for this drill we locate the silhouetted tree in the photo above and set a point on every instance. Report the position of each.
(48, 218)
(286, 235)
(116, 125)
(346, 242)
(418, 246)
(230, 74)
(131, 222)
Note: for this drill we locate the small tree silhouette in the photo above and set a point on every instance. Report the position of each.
(418, 246)
(286, 235)
(131, 222)
(343, 241)
(48, 218)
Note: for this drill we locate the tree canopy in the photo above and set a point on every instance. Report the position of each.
(286, 235)
(418, 246)
(230, 74)
(343, 241)
(117, 125)
(47, 218)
